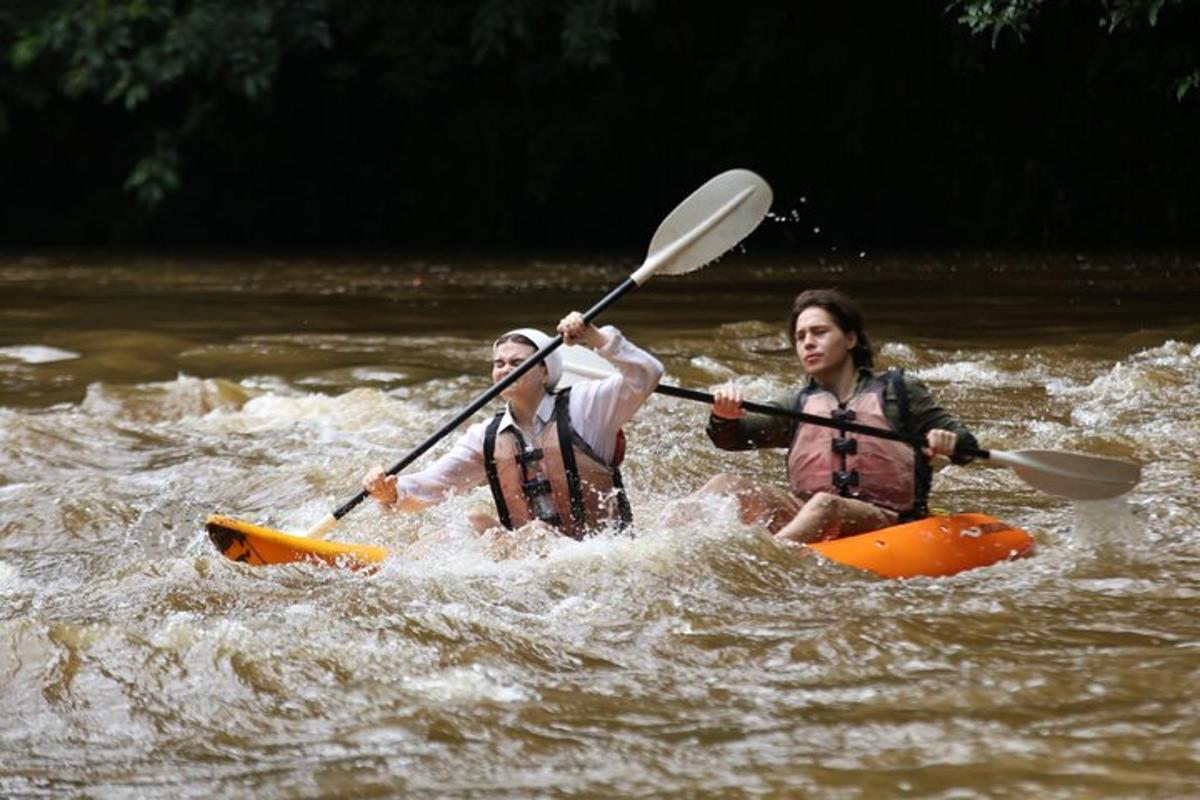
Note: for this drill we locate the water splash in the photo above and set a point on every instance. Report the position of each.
(37, 354)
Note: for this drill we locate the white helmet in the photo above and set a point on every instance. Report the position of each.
(553, 361)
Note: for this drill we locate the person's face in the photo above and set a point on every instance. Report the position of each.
(506, 357)
(822, 346)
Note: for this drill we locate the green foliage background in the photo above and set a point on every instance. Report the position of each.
(517, 123)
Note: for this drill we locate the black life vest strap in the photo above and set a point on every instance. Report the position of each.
(489, 466)
(624, 511)
(895, 379)
(566, 441)
(923, 473)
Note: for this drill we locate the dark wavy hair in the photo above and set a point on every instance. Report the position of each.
(845, 313)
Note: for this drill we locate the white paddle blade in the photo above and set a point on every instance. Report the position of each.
(581, 364)
(1074, 475)
(711, 220)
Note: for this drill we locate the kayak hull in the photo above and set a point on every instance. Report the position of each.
(253, 544)
(931, 547)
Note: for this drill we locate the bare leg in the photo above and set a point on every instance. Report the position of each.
(827, 516)
(757, 504)
(485, 526)
(497, 540)
(483, 522)
(533, 539)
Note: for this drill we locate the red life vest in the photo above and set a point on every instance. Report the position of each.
(878, 471)
(559, 480)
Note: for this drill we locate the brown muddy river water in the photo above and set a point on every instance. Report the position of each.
(139, 394)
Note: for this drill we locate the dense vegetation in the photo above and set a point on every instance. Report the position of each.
(519, 123)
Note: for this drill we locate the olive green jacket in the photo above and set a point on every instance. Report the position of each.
(758, 431)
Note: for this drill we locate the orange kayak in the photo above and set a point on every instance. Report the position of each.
(934, 546)
(253, 544)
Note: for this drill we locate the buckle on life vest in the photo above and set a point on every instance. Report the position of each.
(538, 491)
(529, 456)
(843, 415)
(842, 479)
(535, 487)
(844, 446)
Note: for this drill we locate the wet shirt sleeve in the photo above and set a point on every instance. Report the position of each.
(600, 408)
(928, 415)
(753, 431)
(458, 471)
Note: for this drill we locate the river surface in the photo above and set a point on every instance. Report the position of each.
(138, 394)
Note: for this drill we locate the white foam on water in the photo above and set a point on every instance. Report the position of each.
(1046, 430)
(899, 352)
(974, 373)
(175, 400)
(12, 583)
(1107, 523)
(1154, 373)
(1139, 397)
(37, 353)
(1171, 353)
(326, 416)
(378, 375)
(716, 369)
(466, 685)
(178, 631)
(571, 582)
(272, 409)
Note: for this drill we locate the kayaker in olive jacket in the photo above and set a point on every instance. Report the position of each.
(839, 483)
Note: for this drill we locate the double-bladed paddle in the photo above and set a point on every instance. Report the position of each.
(704, 226)
(1074, 475)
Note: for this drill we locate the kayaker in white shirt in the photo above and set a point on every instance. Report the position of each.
(541, 471)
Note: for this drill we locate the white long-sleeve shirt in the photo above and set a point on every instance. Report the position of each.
(599, 408)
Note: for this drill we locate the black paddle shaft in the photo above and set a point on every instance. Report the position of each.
(485, 398)
(812, 419)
